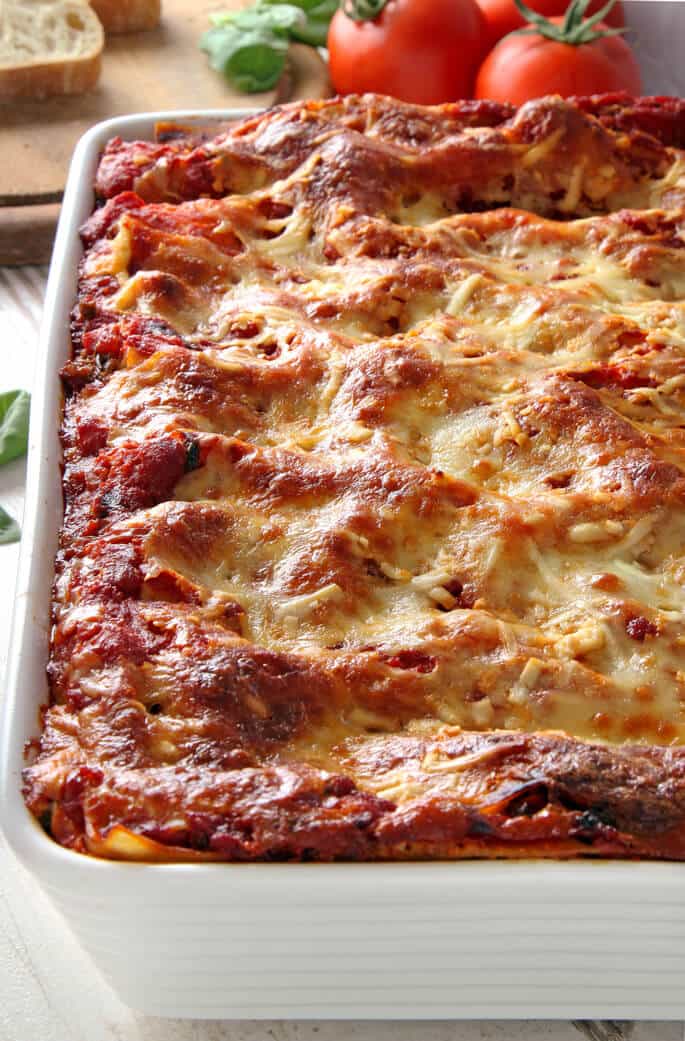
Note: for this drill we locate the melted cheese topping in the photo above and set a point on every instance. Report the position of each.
(440, 456)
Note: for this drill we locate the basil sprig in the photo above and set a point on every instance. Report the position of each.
(14, 424)
(315, 29)
(249, 47)
(9, 529)
(14, 439)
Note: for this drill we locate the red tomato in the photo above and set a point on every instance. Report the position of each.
(502, 16)
(425, 51)
(523, 67)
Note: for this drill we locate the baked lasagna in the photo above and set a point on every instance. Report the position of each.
(374, 483)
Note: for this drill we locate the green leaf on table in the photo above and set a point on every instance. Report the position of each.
(250, 46)
(14, 424)
(308, 6)
(318, 13)
(253, 61)
(261, 17)
(315, 30)
(9, 529)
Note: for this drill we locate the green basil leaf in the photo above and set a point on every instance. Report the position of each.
(262, 17)
(278, 19)
(256, 66)
(312, 8)
(14, 424)
(220, 18)
(308, 6)
(315, 31)
(9, 529)
(253, 61)
(249, 47)
(217, 43)
(324, 9)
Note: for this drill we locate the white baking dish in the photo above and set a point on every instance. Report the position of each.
(426, 940)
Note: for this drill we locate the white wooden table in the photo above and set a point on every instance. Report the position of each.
(49, 990)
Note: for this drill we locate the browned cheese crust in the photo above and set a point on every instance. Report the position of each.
(374, 490)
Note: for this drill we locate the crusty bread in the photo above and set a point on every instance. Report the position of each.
(127, 16)
(48, 47)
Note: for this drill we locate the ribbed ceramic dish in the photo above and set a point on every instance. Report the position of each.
(475, 939)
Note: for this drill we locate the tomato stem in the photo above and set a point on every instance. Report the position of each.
(364, 10)
(576, 29)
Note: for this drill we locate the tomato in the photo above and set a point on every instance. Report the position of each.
(425, 51)
(523, 67)
(502, 17)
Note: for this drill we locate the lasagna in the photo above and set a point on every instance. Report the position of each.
(374, 483)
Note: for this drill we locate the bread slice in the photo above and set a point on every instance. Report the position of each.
(127, 16)
(48, 47)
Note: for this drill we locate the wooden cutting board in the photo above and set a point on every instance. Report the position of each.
(159, 70)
